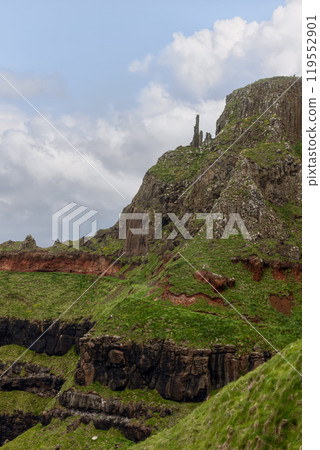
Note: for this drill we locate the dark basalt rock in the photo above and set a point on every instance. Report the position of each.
(177, 373)
(12, 425)
(106, 413)
(56, 341)
(31, 378)
(220, 189)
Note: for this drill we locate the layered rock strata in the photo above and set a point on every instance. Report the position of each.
(177, 373)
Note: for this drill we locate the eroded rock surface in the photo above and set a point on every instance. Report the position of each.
(106, 413)
(280, 269)
(177, 373)
(12, 425)
(31, 378)
(72, 262)
(217, 282)
(56, 341)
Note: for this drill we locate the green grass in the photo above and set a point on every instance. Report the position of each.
(145, 315)
(60, 365)
(36, 295)
(65, 366)
(266, 154)
(61, 433)
(179, 165)
(260, 410)
(140, 313)
(11, 401)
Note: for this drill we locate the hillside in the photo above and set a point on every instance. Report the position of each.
(260, 410)
(173, 320)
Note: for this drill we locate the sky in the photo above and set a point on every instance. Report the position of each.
(116, 85)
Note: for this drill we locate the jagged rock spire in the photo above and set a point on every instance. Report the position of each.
(197, 135)
(197, 139)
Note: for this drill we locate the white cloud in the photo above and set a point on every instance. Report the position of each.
(140, 66)
(207, 61)
(40, 172)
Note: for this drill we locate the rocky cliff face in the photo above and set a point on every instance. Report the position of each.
(11, 425)
(278, 99)
(56, 341)
(72, 262)
(177, 373)
(250, 167)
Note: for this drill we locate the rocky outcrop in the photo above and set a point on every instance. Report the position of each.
(12, 425)
(59, 338)
(218, 282)
(177, 373)
(106, 413)
(69, 262)
(93, 402)
(260, 172)
(280, 269)
(133, 430)
(283, 93)
(31, 378)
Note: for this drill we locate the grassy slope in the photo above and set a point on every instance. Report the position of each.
(63, 434)
(139, 311)
(51, 435)
(260, 410)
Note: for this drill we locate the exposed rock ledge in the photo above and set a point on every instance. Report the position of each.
(56, 341)
(106, 413)
(72, 262)
(31, 378)
(177, 373)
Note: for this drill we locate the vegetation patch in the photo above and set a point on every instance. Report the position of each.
(260, 410)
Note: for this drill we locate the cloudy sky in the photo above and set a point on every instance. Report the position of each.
(117, 84)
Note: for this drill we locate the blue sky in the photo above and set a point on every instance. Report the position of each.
(88, 45)
(123, 82)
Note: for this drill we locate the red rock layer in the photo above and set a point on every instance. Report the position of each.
(73, 262)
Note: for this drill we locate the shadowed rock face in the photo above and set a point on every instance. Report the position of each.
(12, 425)
(177, 373)
(73, 262)
(56, 341)
(31, 378)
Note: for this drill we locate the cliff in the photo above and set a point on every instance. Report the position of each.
(177, 373)
(158, 331)
(252, 167)
(58, 340)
